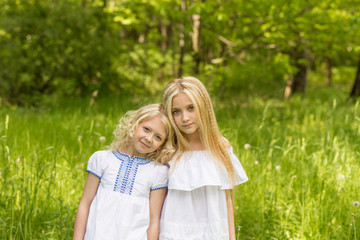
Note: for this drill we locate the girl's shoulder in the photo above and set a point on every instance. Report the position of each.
(102, 154)
(160, 168)
(226, 143)
(101, 157)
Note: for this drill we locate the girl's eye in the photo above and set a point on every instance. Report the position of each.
(158, 138)
(146, 129)
(191, 108)
(176, 112)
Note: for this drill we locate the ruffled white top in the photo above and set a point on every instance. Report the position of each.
(195, 207)
(120, 209)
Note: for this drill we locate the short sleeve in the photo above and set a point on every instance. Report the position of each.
(95, 165)
(161, 177)
(240, 175)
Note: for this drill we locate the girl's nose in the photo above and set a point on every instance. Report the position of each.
(148, 138)
(185, 117)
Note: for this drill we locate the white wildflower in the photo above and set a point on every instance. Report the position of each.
(256, 162)
(278, 167)
(247, 146)
(342, 177)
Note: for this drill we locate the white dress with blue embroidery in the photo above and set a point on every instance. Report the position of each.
(195, 206)
(120, 209)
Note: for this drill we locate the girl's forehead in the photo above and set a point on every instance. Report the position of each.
(181, 99)
(157, 119)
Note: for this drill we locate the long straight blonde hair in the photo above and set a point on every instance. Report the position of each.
(210, 134)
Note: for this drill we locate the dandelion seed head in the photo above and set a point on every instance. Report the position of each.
(278, 167)
(256, 162)
(238, 228)
(247, 146)
(102, 139)
(356, 203)
(342, 177)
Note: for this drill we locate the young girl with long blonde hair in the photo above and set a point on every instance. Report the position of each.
(203, 170)
(126, 186)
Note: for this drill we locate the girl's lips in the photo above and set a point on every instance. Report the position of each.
(188, 125)
(144, 144)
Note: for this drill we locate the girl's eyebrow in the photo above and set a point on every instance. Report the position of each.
(191, 104)
(147, 126)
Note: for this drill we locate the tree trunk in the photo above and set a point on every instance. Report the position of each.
(195, 37)
(297, 82)
(328, 72)
(182, 40)
(163, 46)
(164, 37)
(355, 92)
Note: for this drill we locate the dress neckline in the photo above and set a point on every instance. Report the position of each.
(123, 156)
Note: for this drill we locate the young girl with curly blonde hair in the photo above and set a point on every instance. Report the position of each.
(126, 186)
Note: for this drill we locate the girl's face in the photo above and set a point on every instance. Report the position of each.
(184, 114)
(148, 136)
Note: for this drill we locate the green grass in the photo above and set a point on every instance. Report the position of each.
(303, 164)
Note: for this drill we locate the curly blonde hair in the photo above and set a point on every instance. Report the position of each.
(209, 131)
(124, 131)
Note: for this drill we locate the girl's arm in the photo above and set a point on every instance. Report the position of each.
(230, 213)
(156, 201)
(91, 186)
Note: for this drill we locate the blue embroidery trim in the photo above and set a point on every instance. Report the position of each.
(152, 189)
(89, 171)
(126, 175)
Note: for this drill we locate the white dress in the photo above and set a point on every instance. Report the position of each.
(120, 209)
(195, 206)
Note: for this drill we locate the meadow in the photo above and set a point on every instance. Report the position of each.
(302, 158)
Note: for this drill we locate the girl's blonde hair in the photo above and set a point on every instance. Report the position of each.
(124, 131)
(209, 131)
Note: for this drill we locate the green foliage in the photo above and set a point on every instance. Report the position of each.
(57, 46)
(75, 47)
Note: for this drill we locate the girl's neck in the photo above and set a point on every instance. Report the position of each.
(195, 142)
(129, 151)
